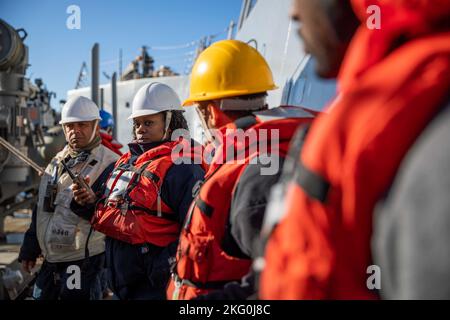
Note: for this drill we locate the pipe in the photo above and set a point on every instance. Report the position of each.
(95, 73)
(102, 99)
(230, 30)
(244, 12)
(114, 103)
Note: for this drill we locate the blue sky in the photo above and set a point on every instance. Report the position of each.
(57, 53)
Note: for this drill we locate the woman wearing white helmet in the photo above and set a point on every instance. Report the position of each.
(147, 197)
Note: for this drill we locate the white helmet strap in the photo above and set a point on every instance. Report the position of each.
(94, 131)
(65, 134)
(208, 135)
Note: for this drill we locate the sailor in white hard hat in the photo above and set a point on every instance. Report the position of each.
(156, 100)
(66, 241)
(79, 119)
(153, 192)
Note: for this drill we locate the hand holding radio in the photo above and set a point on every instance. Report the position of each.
(82, 192)
(83, 195)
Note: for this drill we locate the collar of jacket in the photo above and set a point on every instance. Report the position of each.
(137, 149)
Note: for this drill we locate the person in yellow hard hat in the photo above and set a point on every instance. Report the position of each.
(229, 85)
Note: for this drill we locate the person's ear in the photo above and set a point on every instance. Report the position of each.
(213, 115)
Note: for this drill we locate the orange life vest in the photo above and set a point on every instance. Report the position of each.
(133, 210)
(321, 248)
(110, 143)
(202, 264)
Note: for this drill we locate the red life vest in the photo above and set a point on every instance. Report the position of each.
(202, 264)
(110, 143)
(321, 248)
(133, 210)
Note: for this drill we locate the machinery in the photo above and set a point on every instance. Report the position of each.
(27, 122)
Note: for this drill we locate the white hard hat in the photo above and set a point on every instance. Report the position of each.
(78, 109)
(153, 98)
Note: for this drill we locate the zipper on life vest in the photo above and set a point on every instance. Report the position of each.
(158, 199)
(178, 284)
(158, 203)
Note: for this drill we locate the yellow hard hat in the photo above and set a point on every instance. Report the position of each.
(229, 68)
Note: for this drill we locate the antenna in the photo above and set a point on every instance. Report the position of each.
(95, 72)
(120, 63)
(82, 76)
(230, 30)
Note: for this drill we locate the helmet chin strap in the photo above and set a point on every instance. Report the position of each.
(167, 124)
(94, 131)
(208, 134)
(65, 134)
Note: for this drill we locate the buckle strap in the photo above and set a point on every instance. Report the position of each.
(151, 176)
(139, 172)
(209, 285)
(312, 183)
(245, 122)
(164, 215)
(204, 207)
(130, 167)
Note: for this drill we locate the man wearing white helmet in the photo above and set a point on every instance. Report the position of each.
(146, 197)
(73, 253)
